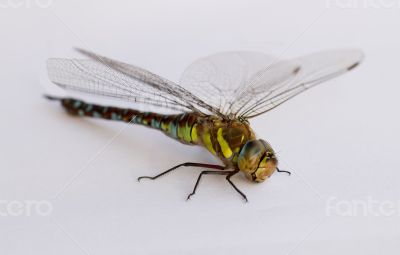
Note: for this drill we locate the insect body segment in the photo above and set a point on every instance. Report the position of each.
(223, 138)
(180, 127)
(78, 107)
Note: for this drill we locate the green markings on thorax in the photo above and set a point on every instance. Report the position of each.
(222, 138)
(224, 145)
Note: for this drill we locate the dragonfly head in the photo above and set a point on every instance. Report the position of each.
(257, 160)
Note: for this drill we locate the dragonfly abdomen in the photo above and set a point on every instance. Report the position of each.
(81, 108)
(178, 126)
(223, 139)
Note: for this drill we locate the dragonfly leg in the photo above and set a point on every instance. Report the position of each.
(199, 178)
(218, 167)
(283, 171)
(228, 178)
(228, 174)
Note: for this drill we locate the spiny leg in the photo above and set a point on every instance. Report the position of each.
(283, 171)
(199, 178)
(228, 178)
(183, 164)
(229, 175)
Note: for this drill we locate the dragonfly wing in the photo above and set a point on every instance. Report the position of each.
(228, 84)
(103, 76)
(274, 85)
(218, 79)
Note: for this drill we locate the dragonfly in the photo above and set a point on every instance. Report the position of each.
(211, 105)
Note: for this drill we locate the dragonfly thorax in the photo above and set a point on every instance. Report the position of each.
(223, 138)
(235, 143)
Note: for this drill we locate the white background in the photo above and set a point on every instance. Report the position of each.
(340, 140)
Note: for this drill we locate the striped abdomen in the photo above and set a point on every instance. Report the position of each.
(177, 126)
(222, 138)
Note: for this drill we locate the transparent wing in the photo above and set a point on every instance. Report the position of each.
(218, 79)
(228, 84)
(280, 82)
(103, 76)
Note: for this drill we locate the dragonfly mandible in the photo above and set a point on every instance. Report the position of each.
(211, 106)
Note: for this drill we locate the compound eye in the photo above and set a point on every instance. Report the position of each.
(266, 167)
